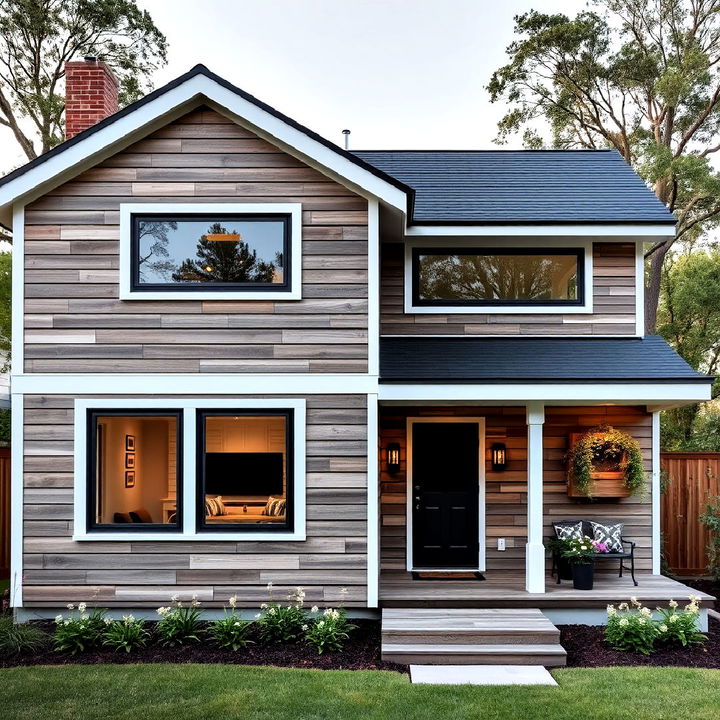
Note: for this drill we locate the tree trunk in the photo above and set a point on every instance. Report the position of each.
(652, 290)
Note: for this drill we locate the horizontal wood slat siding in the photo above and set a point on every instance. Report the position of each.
(613, 303)
(506, 492)
(58, 570)
(74, 321)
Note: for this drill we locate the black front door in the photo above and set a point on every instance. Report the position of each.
(445, 486)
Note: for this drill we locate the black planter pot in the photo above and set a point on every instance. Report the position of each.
(582, 576)
(564, 568)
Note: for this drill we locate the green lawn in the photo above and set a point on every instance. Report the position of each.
(225, 692)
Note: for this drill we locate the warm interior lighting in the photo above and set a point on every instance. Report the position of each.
(498, 457)
(393, 457)
(223, 237)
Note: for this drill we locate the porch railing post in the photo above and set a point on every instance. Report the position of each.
(534, 549)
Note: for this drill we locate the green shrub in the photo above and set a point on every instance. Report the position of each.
(680, 627)
(77, 633)
(17, 638)
(711, 519)
(179, 624)
(127, 634)
(230, 632)
(329, 631)
(282, 623)
(631, 629)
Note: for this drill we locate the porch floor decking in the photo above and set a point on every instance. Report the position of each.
(398, 589)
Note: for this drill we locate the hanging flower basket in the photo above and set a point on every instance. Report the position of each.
(605, 462)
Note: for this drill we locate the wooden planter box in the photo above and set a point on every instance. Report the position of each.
(607, 483)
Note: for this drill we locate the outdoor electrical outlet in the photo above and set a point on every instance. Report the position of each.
(501, 543)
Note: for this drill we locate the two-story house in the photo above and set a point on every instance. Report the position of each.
(243, 355)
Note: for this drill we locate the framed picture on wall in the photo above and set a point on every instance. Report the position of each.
(130, 443)
(129, 478)
(130, 460)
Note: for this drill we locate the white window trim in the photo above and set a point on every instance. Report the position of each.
(580, 243)
(482, 550)
(127, 210)
(189, 476)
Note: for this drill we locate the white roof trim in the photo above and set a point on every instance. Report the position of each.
(609, 232)
(163, 109)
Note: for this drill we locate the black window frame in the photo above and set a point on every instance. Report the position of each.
(220, 287)
(91, 472)
(245, 528)
(577, 252)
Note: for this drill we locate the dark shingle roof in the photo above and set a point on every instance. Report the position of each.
(501, 186)
(526, 360)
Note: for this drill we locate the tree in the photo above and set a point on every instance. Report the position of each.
(689, 319)
(37, 38)
(643, 77)
(153, 240)
(224, 261)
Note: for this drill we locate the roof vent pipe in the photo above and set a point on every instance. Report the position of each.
(346, 133)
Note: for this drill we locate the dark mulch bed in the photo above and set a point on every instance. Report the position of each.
(362, 652)
(586, 647)
(711, 587)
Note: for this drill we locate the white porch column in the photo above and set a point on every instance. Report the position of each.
(534, 549)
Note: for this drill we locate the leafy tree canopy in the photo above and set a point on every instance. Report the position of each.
(640, 76)
(689, 319)
(37, 38)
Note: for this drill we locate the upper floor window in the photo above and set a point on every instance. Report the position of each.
(489, 277)
(210, 251)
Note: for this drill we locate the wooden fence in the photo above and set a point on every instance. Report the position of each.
(692, 478)
(4, 513)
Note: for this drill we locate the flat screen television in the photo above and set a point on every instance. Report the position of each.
(244, 473)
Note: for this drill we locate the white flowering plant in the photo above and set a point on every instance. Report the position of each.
(80, 629)
(679, 626)
(179, 624)
(127, 634)
(231, 631)
(633, 627)
(581, 550)
(329, 631)
(282, 623)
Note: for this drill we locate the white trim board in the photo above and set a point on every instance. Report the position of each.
(17, 357)
(17, 457)
(480, 420)
(170, 104)
(294, 210)
(189, 408)
(520, 243)
(611, 232)
(373, 504)
(655, 495)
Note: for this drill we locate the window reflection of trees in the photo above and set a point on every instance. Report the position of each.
(497, 277)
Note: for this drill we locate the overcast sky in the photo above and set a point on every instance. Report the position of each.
(398, 73)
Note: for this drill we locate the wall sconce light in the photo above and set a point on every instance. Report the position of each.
(498, 457)
(393, 458)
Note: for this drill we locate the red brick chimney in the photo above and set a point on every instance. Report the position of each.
(91, 94)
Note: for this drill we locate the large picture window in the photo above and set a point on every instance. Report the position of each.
(210, 252)
(244, 473)
(134, 470)
(522, 277)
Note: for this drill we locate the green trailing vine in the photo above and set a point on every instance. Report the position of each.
(606, 443)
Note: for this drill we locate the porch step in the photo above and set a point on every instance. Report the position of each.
(460, 636)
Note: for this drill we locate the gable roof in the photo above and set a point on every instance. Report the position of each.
(532, 360)
(196, 87)
(521, 186)
(432, 187)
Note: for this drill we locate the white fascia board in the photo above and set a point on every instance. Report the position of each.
(608, 232)
(164, 108)
(196, 384)
(569, 393)
(127, 210)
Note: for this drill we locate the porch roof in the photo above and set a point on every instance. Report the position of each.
(533, 360)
